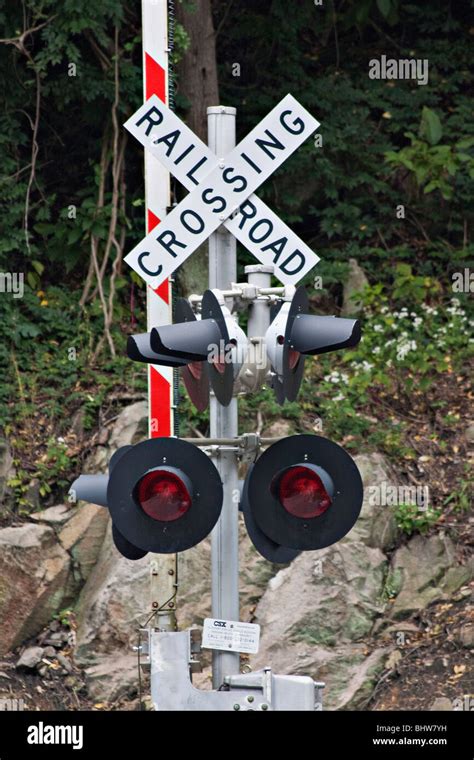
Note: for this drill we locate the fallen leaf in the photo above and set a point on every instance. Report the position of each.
(393, 659)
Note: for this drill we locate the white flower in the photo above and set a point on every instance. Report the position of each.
(378, 328)
(429, 309)
(376, 350)
(337, 377)
(404, 348)
(339, 397)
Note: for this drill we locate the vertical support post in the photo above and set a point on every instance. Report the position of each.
(259, 275)
(159, 302)
(224, 424)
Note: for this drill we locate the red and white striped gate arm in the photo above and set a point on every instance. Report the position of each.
(157, 198)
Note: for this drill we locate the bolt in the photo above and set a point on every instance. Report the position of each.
(250, 699)
(154, 605)
(236, 707)
(170, 572)
(264, 707)
(171, 604)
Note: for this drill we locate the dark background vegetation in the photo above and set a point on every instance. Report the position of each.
(72, 203)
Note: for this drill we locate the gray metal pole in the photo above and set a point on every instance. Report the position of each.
(259, 313)
(224, 424)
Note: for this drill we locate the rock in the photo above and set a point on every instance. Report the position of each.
(194, 573)
(113, 677)
(316, 612)
(64, 662)
(30, 658)
(329, 597)
(53, 515)
(470, 432)
(355, 284)
(399, 633)
(194, 592)
(77, 423)
(466, 635)
(360, 678)
(130, 426)
(35, 582)
(376, 525)
(112, 605)
(442, 703)
(393, 659)
(424, 571)
(58, 639)
(83, 535)
(6, 466)
(32, 495)
(49, 651)
(278, 429)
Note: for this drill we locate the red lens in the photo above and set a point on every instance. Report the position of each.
(195, 369)
(220, 366)
(293, 358)
(302, 493)
(163, 495)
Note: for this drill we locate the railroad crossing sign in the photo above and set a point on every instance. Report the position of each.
(221, 191)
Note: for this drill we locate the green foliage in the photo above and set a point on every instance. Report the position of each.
(411, 518)
(461, 497)
(65, 617)
(435, 167)
(344, 195)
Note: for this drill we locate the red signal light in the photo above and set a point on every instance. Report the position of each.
(293, 358)
(301, 492)
(195, 369)
(163, 495)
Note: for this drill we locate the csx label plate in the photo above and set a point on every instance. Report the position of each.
(230, 636)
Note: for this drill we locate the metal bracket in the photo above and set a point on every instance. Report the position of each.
(171, 658)
(247, 445)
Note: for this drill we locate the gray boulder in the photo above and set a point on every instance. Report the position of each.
(376, 525)
(316, 614)
(30, 658)
(355, 284)
(35, 582)
(425, 571)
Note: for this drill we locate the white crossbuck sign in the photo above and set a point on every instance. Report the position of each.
(221, 191)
